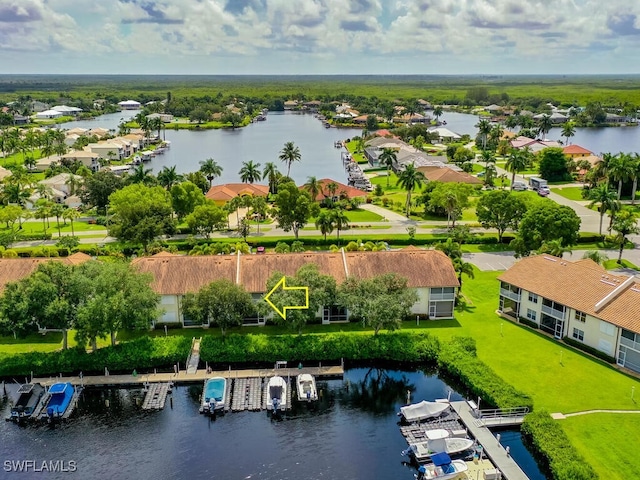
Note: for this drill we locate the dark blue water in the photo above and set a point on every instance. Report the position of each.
(518, 451)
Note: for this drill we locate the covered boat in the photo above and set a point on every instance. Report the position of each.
(61, 395)
(29, 395)
(214, 394)
(423, 410)
(442, 468)
(277, 391)
(438, 440)
(307, 388)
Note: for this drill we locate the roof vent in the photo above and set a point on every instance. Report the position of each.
(550, 259)
(613, 294)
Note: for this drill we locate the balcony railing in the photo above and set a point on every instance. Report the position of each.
(509, 294)
(552, 312)
(442, 296)
(630, 343)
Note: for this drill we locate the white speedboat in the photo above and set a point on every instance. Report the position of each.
(277, 394)
(442, 468)
(438, 440)
(423, 410)
(307, 388)
(214, 394)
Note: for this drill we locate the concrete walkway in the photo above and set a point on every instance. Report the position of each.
(562, 416)
(388, 215)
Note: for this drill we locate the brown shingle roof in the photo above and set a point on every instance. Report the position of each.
(422, 268)
(15, 269)
(447, 175)
(177, 274)
(579, 285)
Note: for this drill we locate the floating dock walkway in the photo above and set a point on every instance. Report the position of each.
(156, 396)
(247, 394)
(182, 377)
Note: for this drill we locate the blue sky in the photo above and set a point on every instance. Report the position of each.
(319, 36)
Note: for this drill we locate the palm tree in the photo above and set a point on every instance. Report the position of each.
(568, 131)
(210, 169)
(462, 267)
(484, 129)
(324, 223)
(544, 125)
(271, 172)
(249, 172)
(437, 112)
(410, 179)
(596, 256)
(635, 172)
(314, 187)
(388, 157)
(289, 154)
(451, 206)
(57, 210)
(603, 196)
(71, 214)
(621, 169)
(141, 175)
(340, 220)
(168, 177)
(553, 248)
(625, 223)
(73, 182)
(601, 169)
(518, 160)
(42, 211)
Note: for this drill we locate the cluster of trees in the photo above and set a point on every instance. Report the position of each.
(27, 141)
(379, 302)
(96, 299)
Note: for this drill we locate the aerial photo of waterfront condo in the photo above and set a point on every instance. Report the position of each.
(319, 239)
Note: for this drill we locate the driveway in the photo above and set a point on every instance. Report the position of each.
(490, 261)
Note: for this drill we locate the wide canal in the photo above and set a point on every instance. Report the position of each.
(351, 433)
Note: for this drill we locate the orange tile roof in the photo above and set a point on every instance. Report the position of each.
(350, 192)
(578, 285)
(179, 274)
(231, 190)
(575, 149)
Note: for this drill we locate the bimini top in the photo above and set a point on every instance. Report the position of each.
(58, 388)
(440, 459)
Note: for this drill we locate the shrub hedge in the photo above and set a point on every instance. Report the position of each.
(551, 445)
(145, 352)
(458, 359)
(401, 347)
(585, 348)
(529, 323)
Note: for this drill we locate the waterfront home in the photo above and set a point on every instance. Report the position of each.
(164, 117)
(578, 300)
(576, 151)
(48, 114)
(89, 159)
(430, 272)
(448, 174)
(342, 191)
(532, 144)
(107, 150)
(66, 110)
(444, 135)
(221, 194)
(129, 105)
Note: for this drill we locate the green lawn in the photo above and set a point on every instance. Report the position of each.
(36, 342)
(36, 227)
(608, 441)
(359, 215)
(572, 193)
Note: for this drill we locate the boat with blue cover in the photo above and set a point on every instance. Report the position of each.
(442, 468)
(60, 396)
(214, 394)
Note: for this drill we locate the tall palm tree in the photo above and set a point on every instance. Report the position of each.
(625, 223)
(314, 187)
(57, 210)
(605, 198)
(437, 112)
(324, 223)
(568, 131)
(388, 157)
(271, 172)
(544, 125)
(553, 248)
(410, 179)
(340, 220)
(596, 256)
(289, 154)
(42, 211)
(518, 160)
(635, 172)
(451, 206)
(168, 177)
(141, 175)
(71, 214)
(210, 169)
(621, 169)
(484, 129)
(601, 169)
(250, 172)
(462, 267)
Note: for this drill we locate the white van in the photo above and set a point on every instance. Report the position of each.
(519, 186)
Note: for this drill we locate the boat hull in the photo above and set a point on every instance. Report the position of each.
(306, 386)
(277, 394)
(214, 395)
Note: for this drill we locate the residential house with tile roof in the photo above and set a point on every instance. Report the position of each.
(222, 194)
(430, 272)
(579, 300)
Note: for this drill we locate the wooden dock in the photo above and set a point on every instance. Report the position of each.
(491, 447)
(336, 371)
(156, 396)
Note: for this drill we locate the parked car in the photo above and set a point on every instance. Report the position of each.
(519, 186)
(544, 191)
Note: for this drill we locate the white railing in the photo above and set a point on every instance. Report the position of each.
(630, 343)
(494, 417)
(559, 314)
(509, 294)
